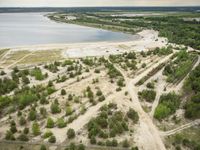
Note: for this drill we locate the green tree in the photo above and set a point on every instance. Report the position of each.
(63, 92)
(70, 133)
(52, 139)
(47, 134)
(9, 136)
(22, 121)
(35, 129)
(93, 140)
(55, 108)
(68, 110)
(81, 147)
(61, 123)
(125, 143)
(133, 115)
(23, 137)
(32, 115)
(50, 123)
(43, 147)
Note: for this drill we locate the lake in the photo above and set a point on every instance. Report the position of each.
(19, 29)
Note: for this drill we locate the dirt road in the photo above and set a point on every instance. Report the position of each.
(147, 136)
(180, 128)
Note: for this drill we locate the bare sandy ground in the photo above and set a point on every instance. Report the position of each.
(148, 40)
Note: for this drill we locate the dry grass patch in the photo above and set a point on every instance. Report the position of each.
(42, 56)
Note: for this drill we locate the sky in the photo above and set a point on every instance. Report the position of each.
(82, 3)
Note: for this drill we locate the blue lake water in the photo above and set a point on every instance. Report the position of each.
(17, 29)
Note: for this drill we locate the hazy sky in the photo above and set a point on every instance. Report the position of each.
(70, 3)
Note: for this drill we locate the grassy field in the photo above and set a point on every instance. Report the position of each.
(14, 56)
(28, 57)
(42, 56)
(2, 52)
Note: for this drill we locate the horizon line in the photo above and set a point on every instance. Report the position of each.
(91, 6)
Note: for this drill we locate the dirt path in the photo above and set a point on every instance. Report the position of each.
(147, 136)
(180, 128)
(2, 56)
(159, 90)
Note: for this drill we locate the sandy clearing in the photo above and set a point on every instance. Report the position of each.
(159, 90)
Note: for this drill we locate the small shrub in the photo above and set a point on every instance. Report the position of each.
(43, 147)
(50, 123)
(23, 137)
(133, 115)
(61, 123)
(35, 129)
(47, 134)
(63, 92)
(71, 133)
(125, 143)
(52, 139)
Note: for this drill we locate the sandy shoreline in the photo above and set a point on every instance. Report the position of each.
(148, 39)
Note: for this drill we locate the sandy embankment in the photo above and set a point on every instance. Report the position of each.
(148, 39)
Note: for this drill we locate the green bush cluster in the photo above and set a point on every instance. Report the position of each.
(150, 85)
(37, 73)
(168, 104)
(163, 51)
(36, 129)
(192, 85)
(148, 95)
(133, 115)
(55, 107)
(70, 133)
(112, 71)
(108, 123)
(52, 67)
(7, 85)
(178, 69)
